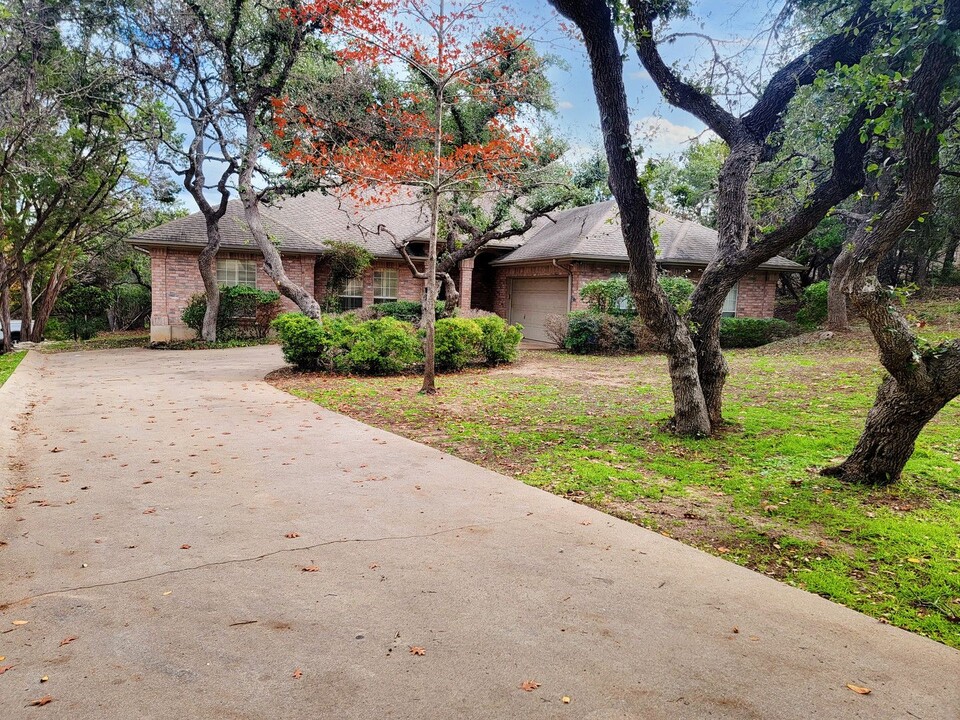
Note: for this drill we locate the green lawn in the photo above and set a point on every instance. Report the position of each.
(588, 428)
(8, 363)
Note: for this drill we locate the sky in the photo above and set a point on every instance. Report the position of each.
(661, 130)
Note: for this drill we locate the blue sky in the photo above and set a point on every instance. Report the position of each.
(668, 129)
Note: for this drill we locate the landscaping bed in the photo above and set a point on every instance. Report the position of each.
(589, 428)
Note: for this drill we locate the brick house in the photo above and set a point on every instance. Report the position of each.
(523, 279)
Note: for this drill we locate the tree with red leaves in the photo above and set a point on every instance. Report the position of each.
(455, 62)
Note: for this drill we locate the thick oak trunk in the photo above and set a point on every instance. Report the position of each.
(211, 288)
(5, 318)
(838, 319)
(893, 424)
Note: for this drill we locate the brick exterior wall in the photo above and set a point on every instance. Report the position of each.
(756, 295)
(176, 278)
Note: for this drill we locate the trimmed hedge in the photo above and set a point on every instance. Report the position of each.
(753, 332)
(386, 346)
(403, 310)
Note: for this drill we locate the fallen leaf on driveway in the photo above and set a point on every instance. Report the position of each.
(19, 622)
(292, 535)
(417, 650)
(565, 699)
(311, 568)
(67, 640)
(56, 449)
(529, 685)
(45, 700)
(149, 511)
(859, 690)
(4, 668)
(297, 674)
(184, 547)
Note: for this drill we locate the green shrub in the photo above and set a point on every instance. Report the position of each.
(403, 310)
(602, 333)
(55, 330)
(583, 332)
(304, 340)
(500, 342)
(753, 332)
(607, 296)
(244, 312)
(379, 347)
(813, 305)
(458, 342)
(82, 310)
(678, 290)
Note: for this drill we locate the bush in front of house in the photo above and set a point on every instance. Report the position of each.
(813, 305)
(501, 341)
(457, 343)
(753, 332)
(589, 332)
(385, 346)
(346, 344)
(244, 312)
(403, 310)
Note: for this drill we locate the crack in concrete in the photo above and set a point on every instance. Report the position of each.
(255, 558)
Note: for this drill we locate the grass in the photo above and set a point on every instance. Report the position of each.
(8, 363)
(590, 429)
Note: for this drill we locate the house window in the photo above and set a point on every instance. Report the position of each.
(385, 285)
(730, 302)
(352, 296)
(237, 272)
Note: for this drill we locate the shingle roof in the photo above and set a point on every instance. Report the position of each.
(300, 225)
(593, 232)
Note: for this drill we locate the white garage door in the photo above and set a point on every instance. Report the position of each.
(532, 300)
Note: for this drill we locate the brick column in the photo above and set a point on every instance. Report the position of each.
(466, 283)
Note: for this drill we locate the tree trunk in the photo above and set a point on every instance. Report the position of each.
(5, 315)
(451, 296)
(211, 288)
(272, 263)
(893, 424)
(713, 370)
(58, 278)
(26, 302)
(838, 319)
(950, 254)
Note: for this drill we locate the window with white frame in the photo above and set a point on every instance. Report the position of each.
(386, 284)
(352, 296)
(730, 302)
(237, 272)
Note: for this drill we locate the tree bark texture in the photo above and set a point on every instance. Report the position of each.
(5, 317)
(208, 271)
(58, 278)
(838, 319)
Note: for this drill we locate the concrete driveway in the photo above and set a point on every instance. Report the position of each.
(184, 541)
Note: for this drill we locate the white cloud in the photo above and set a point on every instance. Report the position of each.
(641, 74)
(659, 136)
(565, 105)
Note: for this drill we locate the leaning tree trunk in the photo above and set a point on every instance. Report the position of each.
(712, 369)
(272, 262)
(893, 425)
(838, 319)
(451, 295)
(58, 278)
(26, 303)
(211, 288)
(606, 67)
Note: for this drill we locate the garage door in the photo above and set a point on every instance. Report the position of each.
(531, 301)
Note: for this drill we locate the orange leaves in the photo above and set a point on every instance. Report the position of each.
(297, 674)
(310, 569)
(417, 650)
(67, 640)
(858, 689)
(185, 547)
(4, 668)
(292, 535)
(529, 685)
(45, 700)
